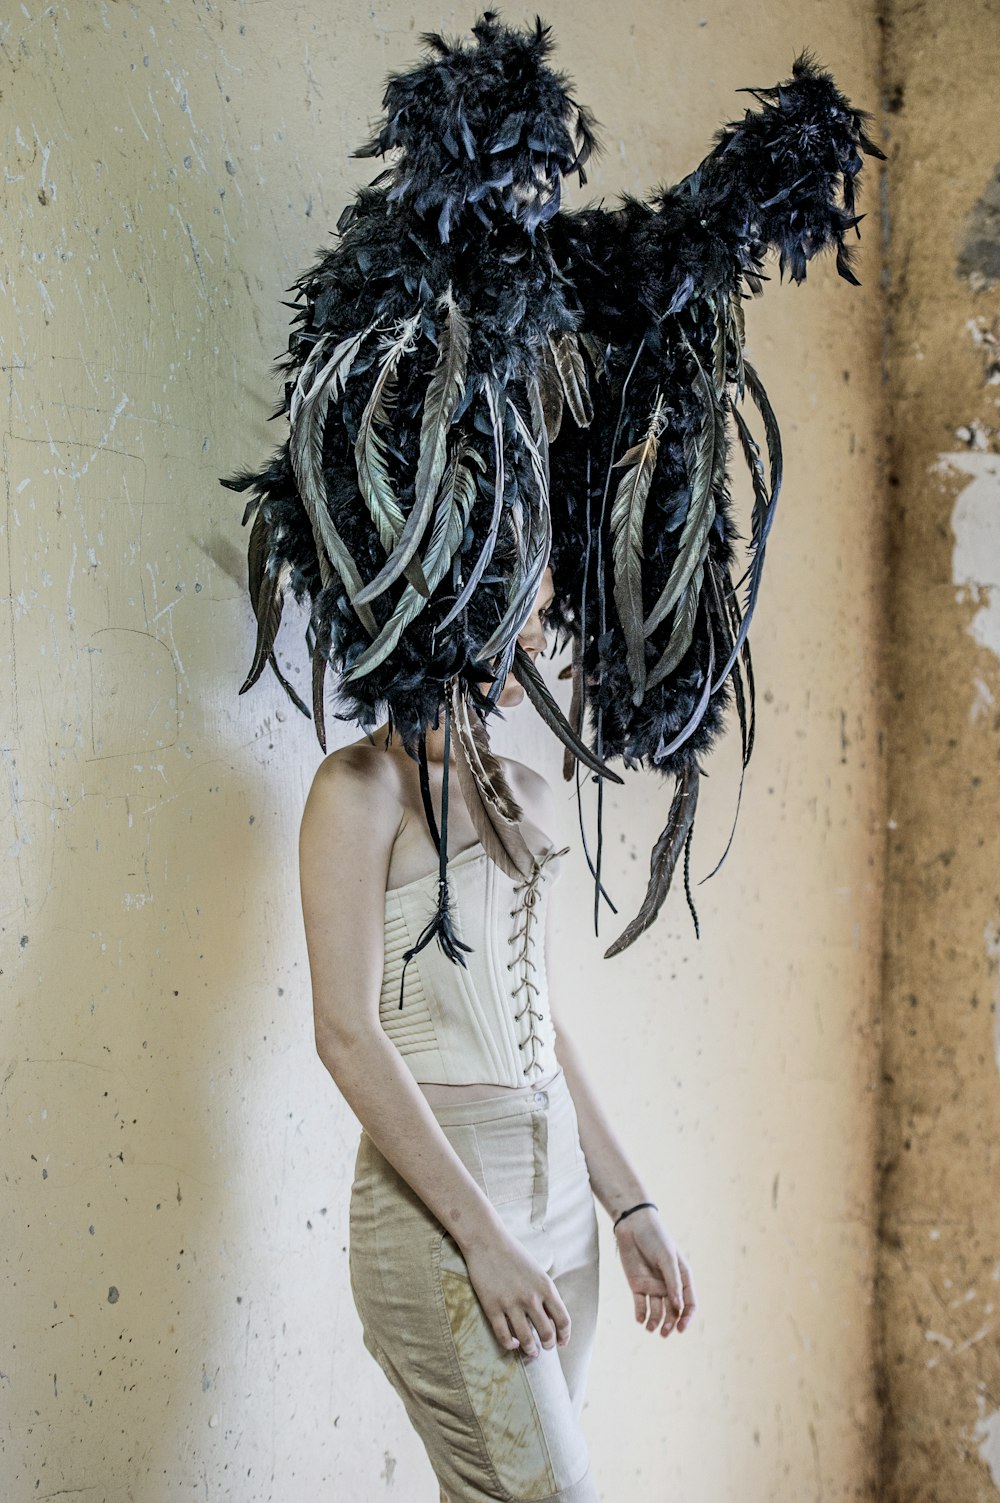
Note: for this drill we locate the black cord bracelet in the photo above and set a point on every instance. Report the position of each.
(640, 1207)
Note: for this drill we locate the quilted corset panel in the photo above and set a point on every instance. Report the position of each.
(487, 1021)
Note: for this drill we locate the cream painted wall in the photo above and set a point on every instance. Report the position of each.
(177, 1320)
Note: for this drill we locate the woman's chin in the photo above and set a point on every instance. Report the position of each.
(511, 694)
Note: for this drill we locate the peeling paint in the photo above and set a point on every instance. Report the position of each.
(979, 257)
(975, 558)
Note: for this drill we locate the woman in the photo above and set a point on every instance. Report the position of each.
(474, 1249)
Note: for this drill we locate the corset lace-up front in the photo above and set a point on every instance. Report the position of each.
(526, 909)
(487, 1021)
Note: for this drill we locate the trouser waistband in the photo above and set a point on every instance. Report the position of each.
(513, 1103)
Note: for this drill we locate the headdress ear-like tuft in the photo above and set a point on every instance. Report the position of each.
(488, 129)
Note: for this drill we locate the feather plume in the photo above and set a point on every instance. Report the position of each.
(764, 503)
(532, 529)
(267, 585)
(739, 340)
(681, 631)
(575, 717)
(318, 695)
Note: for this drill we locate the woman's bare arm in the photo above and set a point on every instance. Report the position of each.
(657, 1272)
(344, 849)
(350, 820)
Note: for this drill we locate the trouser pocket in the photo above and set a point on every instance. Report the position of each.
(520, 1404)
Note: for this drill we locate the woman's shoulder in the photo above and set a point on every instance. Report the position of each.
(360, 775)
(532, 789)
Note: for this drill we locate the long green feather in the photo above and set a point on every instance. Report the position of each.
(627, 516)
(458, 492)
(719, 304)
(550, 393)
(493, 394)
(533, 531)
(527, 674)
(681, 630)
(664, 857)
(709, 459)
(761, 499)
(307, 415)
(369, 450)
(773, 436)
(572, 373)
(739, 337)
(443, 392)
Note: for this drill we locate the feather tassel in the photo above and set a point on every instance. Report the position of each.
(663, 858)
(527, 674)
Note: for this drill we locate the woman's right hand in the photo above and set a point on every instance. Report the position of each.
(517, 1296)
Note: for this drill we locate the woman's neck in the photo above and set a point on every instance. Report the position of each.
(433, 742)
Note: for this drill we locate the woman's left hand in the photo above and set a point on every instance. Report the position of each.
(657, 1272)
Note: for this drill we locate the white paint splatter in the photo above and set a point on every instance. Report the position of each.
(987, 1437)
(975, 559)
(983, 702)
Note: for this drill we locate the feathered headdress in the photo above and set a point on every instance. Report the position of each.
(479, 384)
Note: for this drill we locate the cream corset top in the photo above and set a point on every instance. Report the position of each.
(487, 1021)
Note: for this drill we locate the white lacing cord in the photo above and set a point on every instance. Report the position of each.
(527, 905)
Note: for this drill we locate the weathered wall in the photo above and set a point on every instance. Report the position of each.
(177, 1319)
(939, 1285)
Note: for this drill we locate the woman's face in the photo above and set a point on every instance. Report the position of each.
(532, 639)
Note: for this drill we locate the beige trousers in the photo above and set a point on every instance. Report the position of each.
(495, 1424)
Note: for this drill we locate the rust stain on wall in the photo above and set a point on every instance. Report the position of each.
(939, 1267)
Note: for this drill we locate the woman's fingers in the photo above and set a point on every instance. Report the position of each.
(539, 1317)
(514, 1332)
(674, 1282)
(687, 1286)
(560, 1316)
(523, 1330)
(502, 1331)
(660, 1280)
